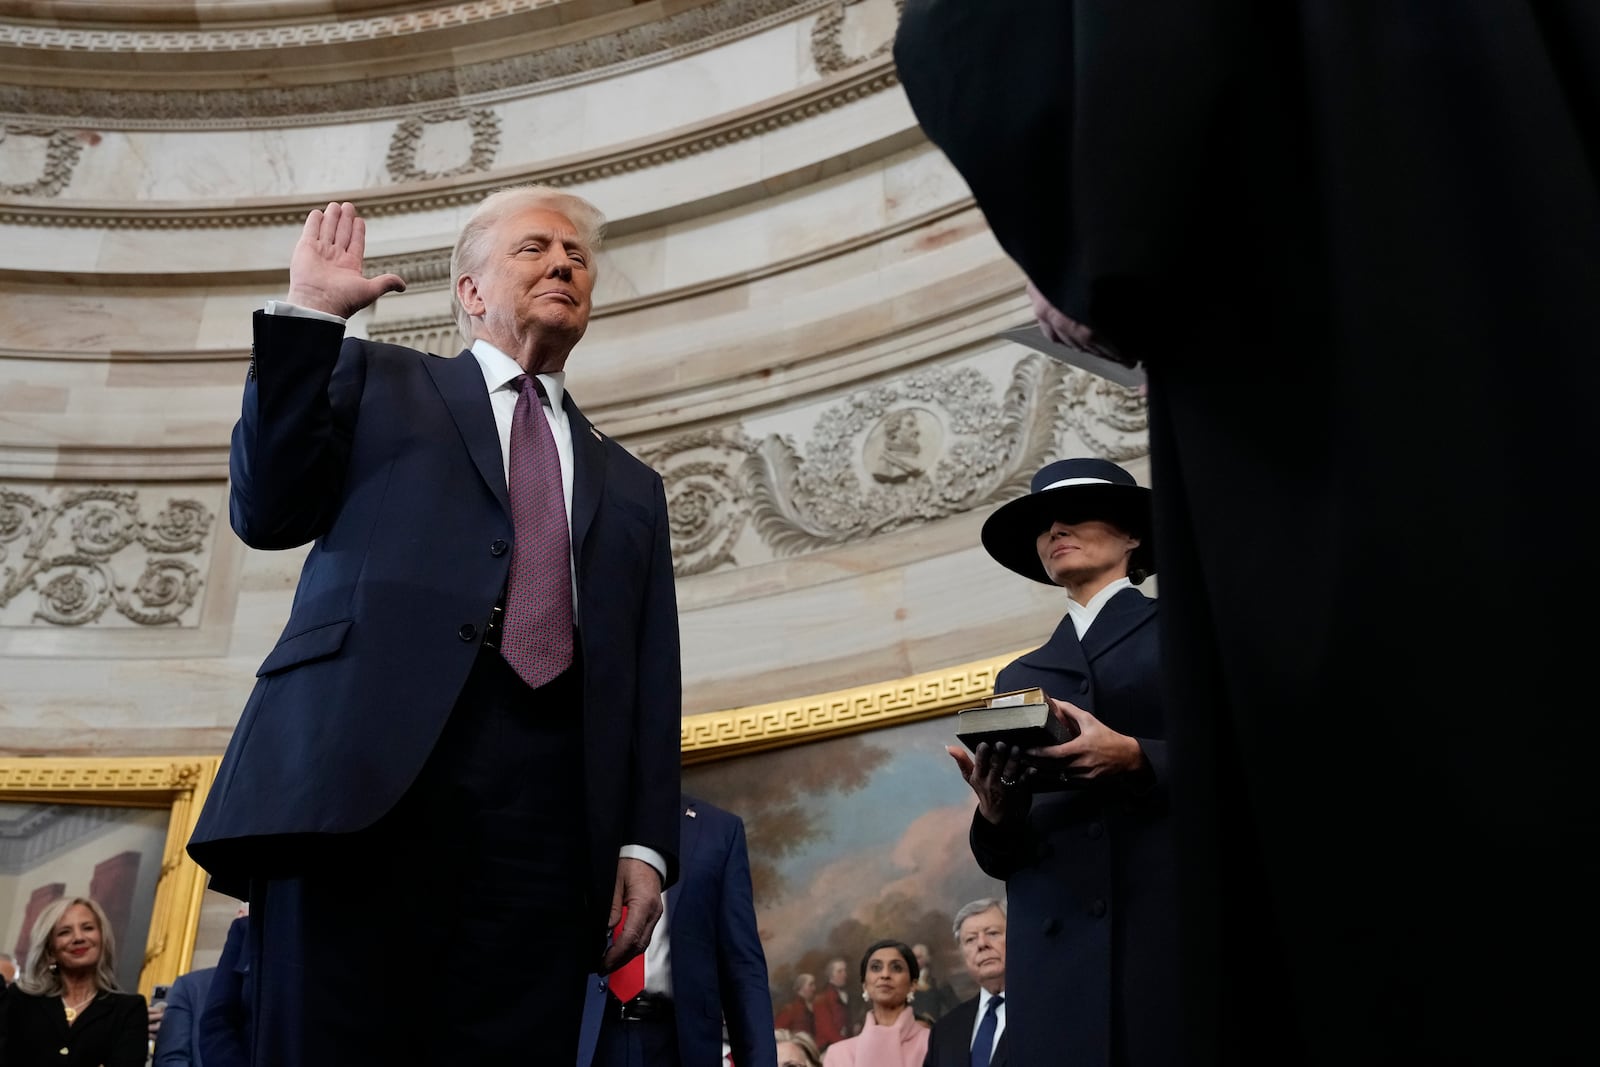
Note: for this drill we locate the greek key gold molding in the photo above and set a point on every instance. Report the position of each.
(720, 734)
(176, 783)
(834, 91)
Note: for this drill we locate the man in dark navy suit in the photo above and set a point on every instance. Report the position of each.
(467, 735)
(1354, 247)
(705, 976)
(225, 1029)
(974, 1031)
(178, 1033)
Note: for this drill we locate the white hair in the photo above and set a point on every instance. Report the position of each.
(976, 907)
(472, 245)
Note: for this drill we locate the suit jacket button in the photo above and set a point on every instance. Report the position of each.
(1098, 909)
(498, 548)
(467, 631)
(1052, 926)
(1097, 830)
(1083, 685)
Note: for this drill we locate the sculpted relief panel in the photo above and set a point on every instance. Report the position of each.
(895, 454)
(850, 31)
(890, 455)
(444, 144)
(115, 557)
(36, 160)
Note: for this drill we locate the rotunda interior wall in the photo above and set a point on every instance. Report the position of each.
(797, 323)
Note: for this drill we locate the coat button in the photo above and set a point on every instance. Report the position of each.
(1098, 909)
(1052, 926)
(1097, 830)
(467, 631)
(1083, 685)
(498, 548)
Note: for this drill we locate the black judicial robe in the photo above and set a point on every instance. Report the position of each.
(1357, 247)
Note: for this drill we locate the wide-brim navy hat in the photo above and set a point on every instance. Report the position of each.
(1071, 490)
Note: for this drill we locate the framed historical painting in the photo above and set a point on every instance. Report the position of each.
(111, 829)
(856, 819)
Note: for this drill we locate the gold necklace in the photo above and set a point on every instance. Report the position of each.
(72, 1013)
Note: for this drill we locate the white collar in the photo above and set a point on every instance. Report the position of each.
(500, 370)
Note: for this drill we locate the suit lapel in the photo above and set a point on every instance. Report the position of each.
(588, 475)
(460, 383)
(1062, 652)
(1123, 614)
(687, 840)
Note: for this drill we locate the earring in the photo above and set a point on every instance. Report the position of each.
(53, 967)
(865, 995)
(911, 997)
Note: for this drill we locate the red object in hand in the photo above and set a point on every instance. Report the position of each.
(627, 981)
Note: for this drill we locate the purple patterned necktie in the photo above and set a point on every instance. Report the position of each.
(537, 638)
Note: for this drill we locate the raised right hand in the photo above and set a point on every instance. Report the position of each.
(325, 270)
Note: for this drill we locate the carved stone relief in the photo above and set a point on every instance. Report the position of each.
(427, 269)
(570, 63)
(453, 133)
(430, 333)
(708, 503)
(67, 557)
(711, 137)
(1112, 420)
(894, 455)
(36, 160)
(845, 26)
(69, 38)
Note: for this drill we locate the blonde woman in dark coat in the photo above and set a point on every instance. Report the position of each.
(66, 1008)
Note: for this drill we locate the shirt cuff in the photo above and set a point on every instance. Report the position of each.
(649, 855)
(283, 307)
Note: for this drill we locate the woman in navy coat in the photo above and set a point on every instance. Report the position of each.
(1080, 831)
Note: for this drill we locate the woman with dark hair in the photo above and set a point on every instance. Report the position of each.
(892, 1036)
(1081, 831)
(67, 1008)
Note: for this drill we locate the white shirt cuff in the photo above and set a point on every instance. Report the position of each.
(283, 307)
(649, 855)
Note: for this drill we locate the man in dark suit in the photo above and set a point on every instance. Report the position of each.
(225, 1028)
(178, 1039)
(705, 971)
(467, 735)
(1354, 246)
(974, 1031)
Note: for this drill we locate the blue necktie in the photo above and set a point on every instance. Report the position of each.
(983, 1044)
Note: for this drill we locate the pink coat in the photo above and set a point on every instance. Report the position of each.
(905, 1044)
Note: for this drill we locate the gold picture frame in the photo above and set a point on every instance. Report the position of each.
(177, 784)
(740, 731)
(856, 823)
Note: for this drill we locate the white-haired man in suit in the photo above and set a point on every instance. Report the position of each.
(972, 1034)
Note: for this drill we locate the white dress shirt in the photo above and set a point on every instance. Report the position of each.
(1083, 616)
